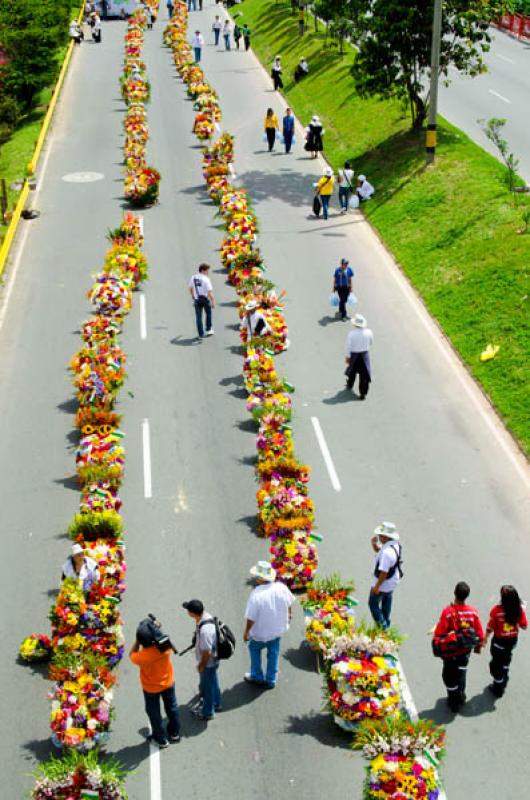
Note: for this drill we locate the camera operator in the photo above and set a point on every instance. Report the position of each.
(152, 652)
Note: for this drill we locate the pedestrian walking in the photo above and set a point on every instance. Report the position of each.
(358, 344)
(237, 35)
(301, 21)
(387, 572)
(96, 27)
(271, 126)
(245, 30)
(342, 278)
(197, 42)
(150, 17)
(506, 618)
(457, 634)
(158, 684)
(200, 5)
(268, 615)
(324, 190)
(314, 132)
(344, 179)
(169, 5)
(276, 73)
(226, 34)
(216, 28)
(205, 640)
(288, 129)
(201, 290)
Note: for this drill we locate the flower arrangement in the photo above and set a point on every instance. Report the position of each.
(289, 467)
(111, 296)
(78, 776)
(222, 149)
(203, 126)
(90, 526)
(400, 736)
(368, 639)
(231, 248)
(282, 498)
(126, 260)
(135, 89)
(360, 686)
(100, 450)
(35, 649)
(293, 554)
(99, 373)
(98, 497)
(245, 226)
(142, 186)
(129, 232)
(280, 403)
(100, 328)
(274, 438)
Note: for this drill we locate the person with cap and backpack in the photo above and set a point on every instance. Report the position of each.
(268, 615)
(213, 641)
(458, 633)
(387, 572)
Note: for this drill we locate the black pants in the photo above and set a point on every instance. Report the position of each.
(501, 657)
(343, 293)
(454, 674)
(358, 367)
(277, 80)
(247, 42)
(271, 137)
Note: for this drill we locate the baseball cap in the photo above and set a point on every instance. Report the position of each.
(195, 606)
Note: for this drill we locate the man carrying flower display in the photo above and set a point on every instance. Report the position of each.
(458, 632)
(268, 615)
(387, 572)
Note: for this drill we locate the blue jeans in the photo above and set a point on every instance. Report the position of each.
(273, 659)
(344, 197)
(152, 708)
(210, 690)
(207, 308)
(192, 3)
(197, 54)
(216, 34)
(380, 606)
(324, 198)
(226, 37)
(287, 140)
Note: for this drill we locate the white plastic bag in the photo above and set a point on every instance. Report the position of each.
(354, 201)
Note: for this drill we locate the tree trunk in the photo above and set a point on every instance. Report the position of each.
(419, 109)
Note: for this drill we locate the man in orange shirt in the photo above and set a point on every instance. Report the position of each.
(158, 683)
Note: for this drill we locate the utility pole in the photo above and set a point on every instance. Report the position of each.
(430, 143)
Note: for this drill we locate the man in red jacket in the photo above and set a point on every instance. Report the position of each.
(458, 632)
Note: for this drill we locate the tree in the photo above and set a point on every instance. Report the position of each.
(394, 41)
(30, 33)
(493, 130)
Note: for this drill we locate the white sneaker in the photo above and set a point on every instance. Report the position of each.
(210, 332)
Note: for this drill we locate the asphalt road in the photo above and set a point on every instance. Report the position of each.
(503, 91)
(419, 451)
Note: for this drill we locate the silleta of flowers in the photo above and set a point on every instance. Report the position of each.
(142, 182)
(87, 642)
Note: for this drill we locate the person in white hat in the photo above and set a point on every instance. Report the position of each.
(302, 69)
(313, 134)
(387, 572)
(254, 321)
(324, 190)
(268, 614)
(364, 189)
(80, 566)
(276, 73)
(358, 344)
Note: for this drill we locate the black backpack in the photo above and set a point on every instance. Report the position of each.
(397, 566)
(226, 641)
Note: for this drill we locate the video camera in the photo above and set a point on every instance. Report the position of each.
(149, 632)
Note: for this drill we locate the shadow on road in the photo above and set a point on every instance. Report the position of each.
(483, 703)
(301, 658)
(70, 482)
(320, 728)
(69, 406)
(132, 756)
(342, 396)
(246, 425)
(185, 342)
(41, 749)
(233, 380)
(327, 320)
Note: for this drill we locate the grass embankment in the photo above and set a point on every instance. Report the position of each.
(451, 227)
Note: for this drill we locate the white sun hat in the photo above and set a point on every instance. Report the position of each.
(387, 529)
(251, 305)
(77, 550)
(359, 321)
(263, 571)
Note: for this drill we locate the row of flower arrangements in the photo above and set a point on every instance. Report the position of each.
(362, 677)
(142, 182)
(86, 642)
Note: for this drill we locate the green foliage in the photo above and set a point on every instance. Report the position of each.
(72, 662)
(59, 770)
(399, 735)
(394, 41)
(30, 34)
(492, 129)
(331, 584)
(519, 7)
(91, 526)
(9, 116)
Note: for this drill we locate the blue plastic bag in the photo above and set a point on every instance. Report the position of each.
(334, 300)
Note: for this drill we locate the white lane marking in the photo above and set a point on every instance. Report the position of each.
(146, 442)
(154, 771)
(82, 177)
(32, 197)
(500, 96)
(143, 318)
(410, 706)
(332, 472)
(505, 58)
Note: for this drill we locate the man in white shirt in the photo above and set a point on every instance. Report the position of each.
(197, 42)
(268, 615)
(254, 321)
(387, 572)
(216, 28)
(364, 189)
(358, 343)
(201, 290)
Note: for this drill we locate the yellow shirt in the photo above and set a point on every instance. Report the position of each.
(271, 122)
(325, 185)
